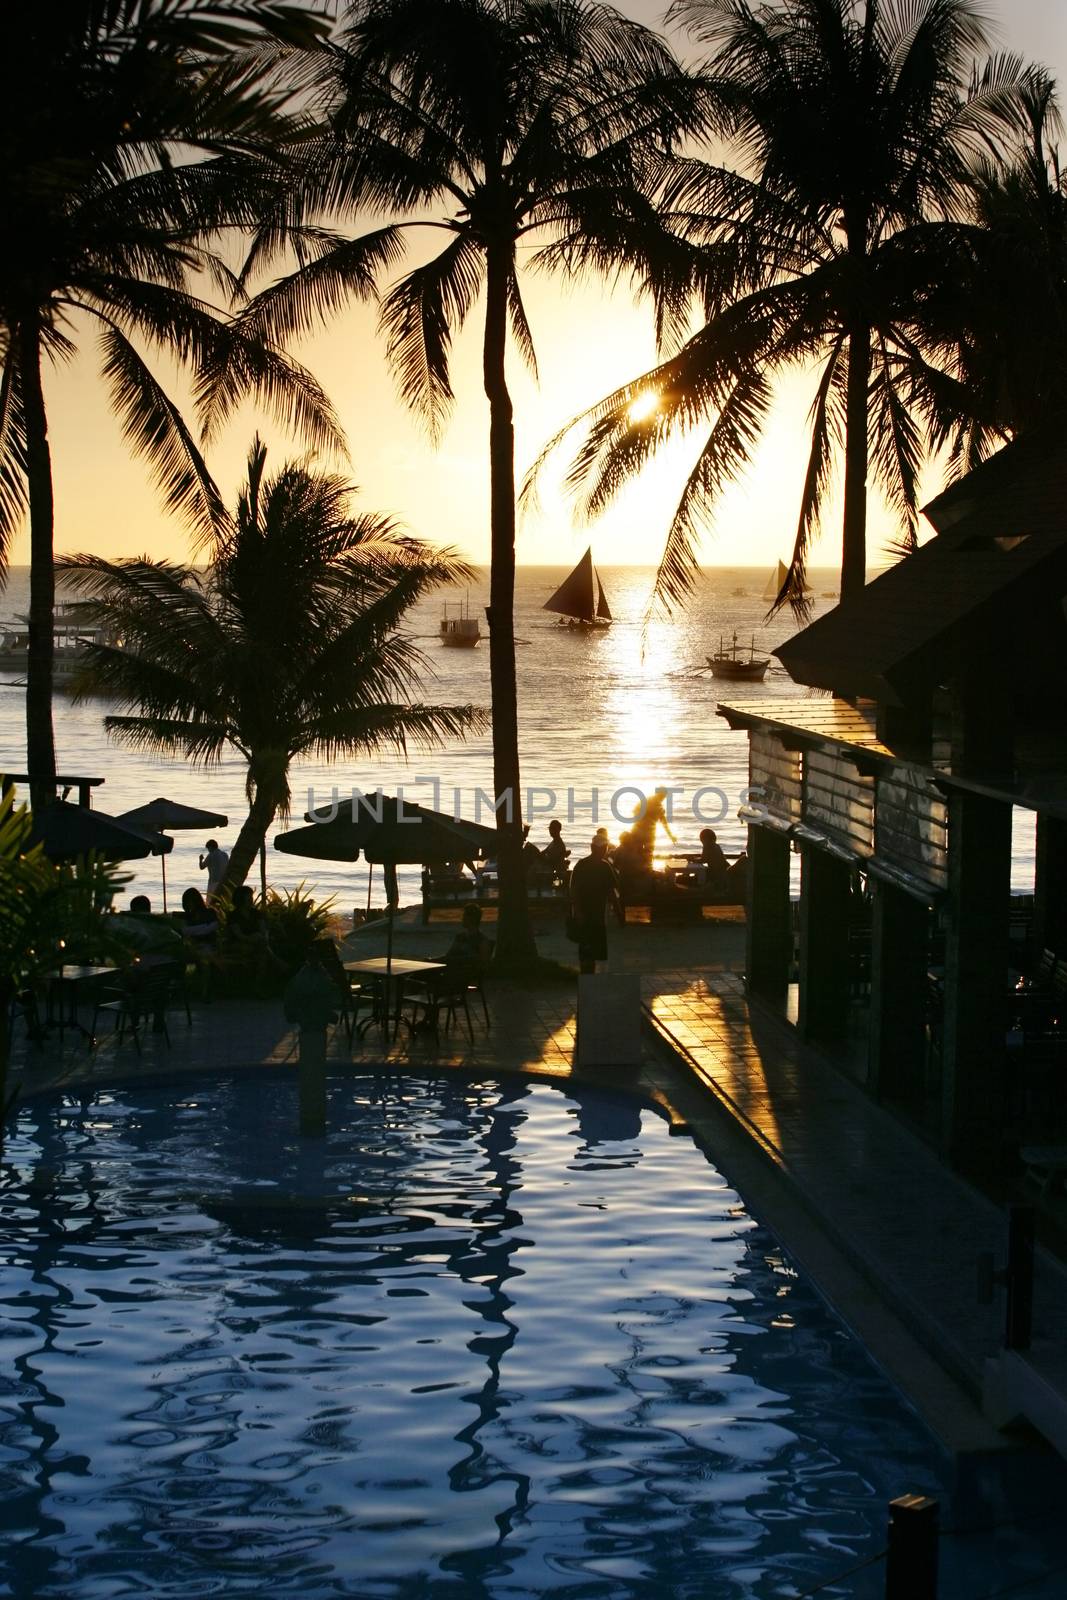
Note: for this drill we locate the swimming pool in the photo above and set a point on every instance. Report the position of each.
(489, 1340)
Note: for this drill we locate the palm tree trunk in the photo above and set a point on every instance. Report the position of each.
(514, 943)
(854, 539)
(40, 741)
(261, 813)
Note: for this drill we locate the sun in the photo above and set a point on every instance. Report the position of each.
(644, 406)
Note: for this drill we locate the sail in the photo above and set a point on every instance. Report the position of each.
(574, 597)
(774, 582)
(603, 610)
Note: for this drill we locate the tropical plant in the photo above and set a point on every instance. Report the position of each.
(130, 132)
(497, 124)
(296, 921)
(49, 914)
(286, 645)
(856, 123)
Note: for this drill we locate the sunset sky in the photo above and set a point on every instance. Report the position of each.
(589, 338)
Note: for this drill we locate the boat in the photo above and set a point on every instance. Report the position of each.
(739, 594)
(71, 637)
(773, 587)
(580, 598)
(460, 631)
(739, 668)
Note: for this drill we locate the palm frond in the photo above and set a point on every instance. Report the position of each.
(155, 430)
(897, 444)
(346, 269)
(726, 453)
(244, 366)
(520, 327)
(418, 317)
(204, 744)
(827, 429)
(14, 488)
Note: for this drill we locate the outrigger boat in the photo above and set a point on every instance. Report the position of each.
(460, 631)
(578, 604)
(71, 637)
(740, 668)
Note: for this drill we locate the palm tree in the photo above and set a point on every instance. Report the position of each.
(857, 122)
(287, 646)
(1011, 369)
(498, 124)
(129, 131)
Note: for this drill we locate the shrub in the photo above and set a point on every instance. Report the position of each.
(294, 922)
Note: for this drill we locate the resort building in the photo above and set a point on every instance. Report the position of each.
(938, 705)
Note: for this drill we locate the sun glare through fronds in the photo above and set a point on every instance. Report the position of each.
(643, 407)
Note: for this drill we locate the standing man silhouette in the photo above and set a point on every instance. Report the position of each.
(594, 887)
(215, 861)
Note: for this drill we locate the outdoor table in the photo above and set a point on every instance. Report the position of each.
(685, 871)
(398, 971)
(67, 982)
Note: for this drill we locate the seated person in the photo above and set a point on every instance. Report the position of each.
(200, 923)
(155, 939)
(470, 947)
(554, 855)
(713, 863)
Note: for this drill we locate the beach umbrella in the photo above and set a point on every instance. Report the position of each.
(167, 816)
(66, 831)
(390, 832)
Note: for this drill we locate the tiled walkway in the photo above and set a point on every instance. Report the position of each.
(912, 1227)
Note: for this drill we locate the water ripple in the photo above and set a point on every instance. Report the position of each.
(447, 1351)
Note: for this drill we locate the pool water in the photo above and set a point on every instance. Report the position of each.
(486, 1341)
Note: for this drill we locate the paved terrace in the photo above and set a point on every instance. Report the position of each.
(887, 1230)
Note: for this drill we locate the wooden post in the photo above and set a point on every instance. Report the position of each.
(1050, 886)
(899, 936)
(769, 922)
(824, 903)
(976, 945)
(311, 1081)
(911, 1556)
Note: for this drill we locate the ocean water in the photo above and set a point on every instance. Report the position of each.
(600, 714)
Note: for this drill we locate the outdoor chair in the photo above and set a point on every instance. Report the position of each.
(476, 985)
(140, 996)
(445, 993)
(352, 993)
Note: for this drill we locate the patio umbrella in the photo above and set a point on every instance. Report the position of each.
(420, 837)
(66, 831)
(167, 816)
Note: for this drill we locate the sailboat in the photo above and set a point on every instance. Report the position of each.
(581, 601)
(773, 587)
